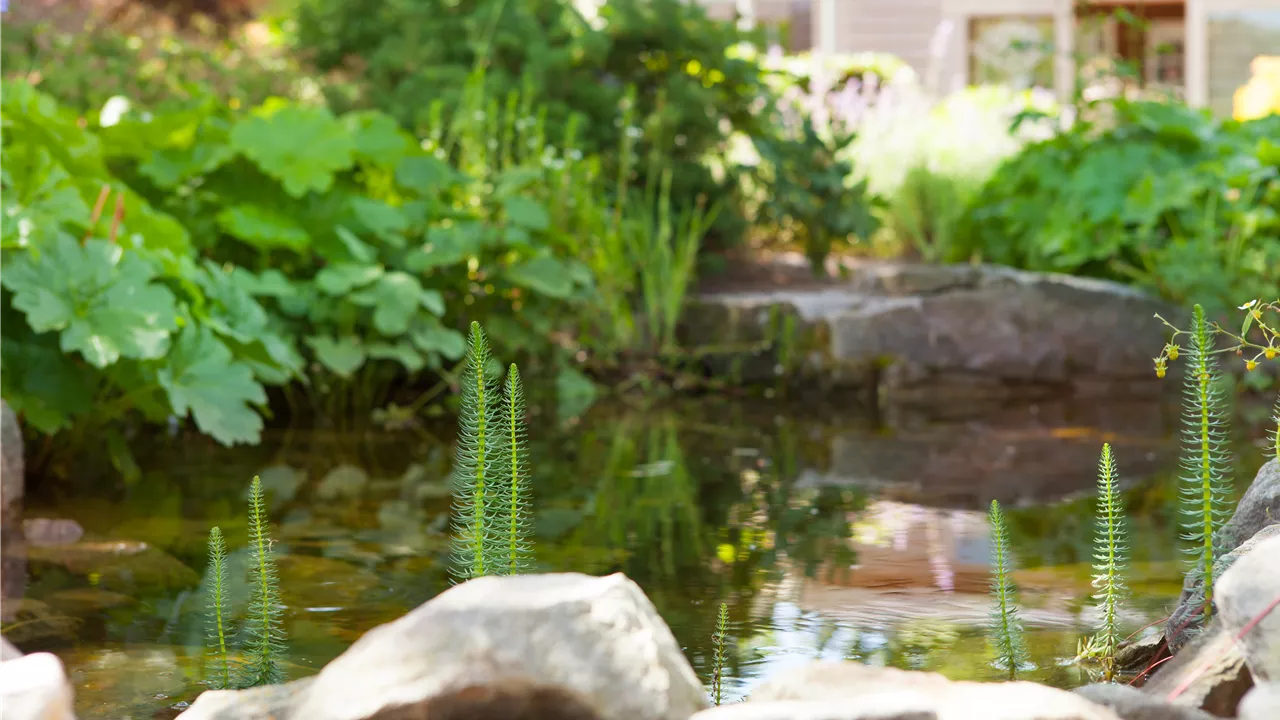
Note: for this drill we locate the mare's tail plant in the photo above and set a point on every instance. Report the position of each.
(1109, 555)
(217, 593)
(1010, 646)
(717, 662)
(474, 465)
(264, 636)
(491, 486)
(1274, 449)
(1205, 482)
(515, 476)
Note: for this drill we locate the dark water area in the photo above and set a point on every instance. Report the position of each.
(829, 534)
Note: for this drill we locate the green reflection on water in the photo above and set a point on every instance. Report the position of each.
(819, 554)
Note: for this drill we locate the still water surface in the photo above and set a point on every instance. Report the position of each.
(829, 535)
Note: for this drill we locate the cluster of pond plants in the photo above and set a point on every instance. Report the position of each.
(491, 515)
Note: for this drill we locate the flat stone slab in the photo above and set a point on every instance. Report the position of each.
(921, 333)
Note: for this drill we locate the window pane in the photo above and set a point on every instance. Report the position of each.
(1013, 50)
(1235, 39)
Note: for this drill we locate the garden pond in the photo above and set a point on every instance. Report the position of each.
(829, 533)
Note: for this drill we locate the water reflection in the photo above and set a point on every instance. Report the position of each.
(829, 535)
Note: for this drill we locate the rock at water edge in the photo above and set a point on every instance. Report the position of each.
(1248, 595)
(35, 687)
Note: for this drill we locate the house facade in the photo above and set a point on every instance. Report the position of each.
(1200, 50)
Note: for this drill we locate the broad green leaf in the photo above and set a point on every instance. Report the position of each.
(342, 356)
(342, 278)
(575, 392)
(359, 250)
(527, 213)
(263, 228)
(202, 378)
(545, 274)
(396, 299)
(447, 246)
(433, 301)
(99, 298)
(434, 338)
(271, 283)
(39, 198)
(170, 168)
(48, 387)
(380, 218)
(424, 174)
(401, 352)
(378, 138)
(302, 147)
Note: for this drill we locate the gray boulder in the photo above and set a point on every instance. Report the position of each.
(1246, 596)
(1261, 703)
(1132, 704)
(850, 691)
(1258, 510)
(11, 466)
(1208, 674)
(500, 647)
(34, 687)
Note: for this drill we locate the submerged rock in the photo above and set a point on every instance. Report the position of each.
(34, 687)
(1257, 517)
(850, 691)
(934, 333)
(1132, 704)
(531, 646)
(1247, 597)
(1209, 674)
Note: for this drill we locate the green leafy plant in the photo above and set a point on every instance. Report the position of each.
(1150, 192)
(217, 608)
(719, 641)
(416, 53)
(491, 488)
(1006, 629)
(1110, 557)
(263, 635)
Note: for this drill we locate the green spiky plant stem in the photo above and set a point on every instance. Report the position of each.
(718, 660)
(1109, 555)
(264, 636)
(217, 596)
(1204, 488)
(515, 475)
(1011, 650)
(474, 464)
(1275, 431)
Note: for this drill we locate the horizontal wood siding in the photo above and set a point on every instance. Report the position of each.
(901, 27)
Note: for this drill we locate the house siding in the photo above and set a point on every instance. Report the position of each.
(902, 27)
(1234, 40)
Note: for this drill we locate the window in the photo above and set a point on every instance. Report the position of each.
(1011, 50)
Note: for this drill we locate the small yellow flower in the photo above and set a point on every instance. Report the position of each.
(1270, 353)
(1250, 364)
(1173, 352)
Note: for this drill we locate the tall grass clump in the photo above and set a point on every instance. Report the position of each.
(1006, 629)
(1110, 553)
(491, 527)
(263, 633)
(1205, 484)
(220, 679)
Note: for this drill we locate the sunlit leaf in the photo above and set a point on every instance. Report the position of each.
(263, 228)
(99, 298)
(302, 147)
(342, 356)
